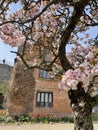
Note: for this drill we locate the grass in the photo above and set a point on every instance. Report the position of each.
(95, 117)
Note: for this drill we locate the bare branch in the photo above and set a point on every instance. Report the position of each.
(92, 24)
(29, 66)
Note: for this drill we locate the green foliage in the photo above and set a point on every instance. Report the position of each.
(9, 120)
(45, 119)
(4, 87)
(37, 119)
(24, 118)
(5, 91)
(49, 119)
(2, 119)
(94, 117)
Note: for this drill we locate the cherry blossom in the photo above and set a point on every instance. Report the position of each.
(84, 73)
(11, 35)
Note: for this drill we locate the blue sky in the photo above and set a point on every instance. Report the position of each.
(6, 54)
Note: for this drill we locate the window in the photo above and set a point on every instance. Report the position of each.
(44, 99)
(44, 74)
(46, 54)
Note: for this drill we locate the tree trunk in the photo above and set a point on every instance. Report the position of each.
(82, 117)
(81, 103)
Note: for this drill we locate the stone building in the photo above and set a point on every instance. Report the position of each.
(48, 98)
(34, 92)
(5, 72)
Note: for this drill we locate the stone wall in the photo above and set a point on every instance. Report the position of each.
(22, 90)
(5, 72)
(25, 85)
(61, 105)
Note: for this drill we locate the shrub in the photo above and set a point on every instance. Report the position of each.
(48, 118)
(2, 119)
(37, 118)
(9, 120)
(24, 118)
(2, 112)
(71, 120)
(2, 115)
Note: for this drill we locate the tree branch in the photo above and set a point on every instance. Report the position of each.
(32, 19)
(92, 24)
(78, 11)
(29, 66)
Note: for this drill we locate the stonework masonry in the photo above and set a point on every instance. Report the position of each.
(61, 106)
(5, 72)
(25, 85)
(22, 91)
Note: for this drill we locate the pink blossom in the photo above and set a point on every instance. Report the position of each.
(73, 83)
(8, 29)
(12, 36)
(90, 55)
(69, 72)
(94, 70)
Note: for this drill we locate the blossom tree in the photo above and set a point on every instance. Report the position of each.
(50, 26)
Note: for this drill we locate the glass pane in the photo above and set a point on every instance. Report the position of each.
(50, 104)
(47, 57)
(44, 74)
(46, 97)
(50, 97)
(48, 76)
(38, 104)
(42, 97)
(46, 104)
(42, 104)
(41, 73)
(38, 97)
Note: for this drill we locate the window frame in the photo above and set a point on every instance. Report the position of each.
(41, 100)
(44, 74)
